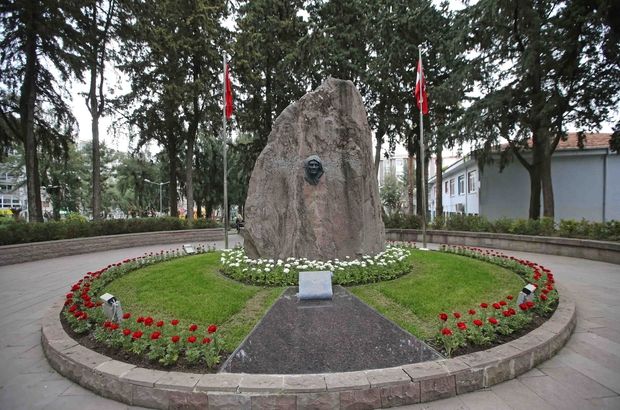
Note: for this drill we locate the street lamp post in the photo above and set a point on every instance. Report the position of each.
(161, 184)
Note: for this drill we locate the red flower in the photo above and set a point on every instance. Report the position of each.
(77, 314)
(140, 319)
(509, 297)
(506, 313)
(126, 315)
(69, 295)
(174, 322)
(155, 335)
(550, 287)
(478, 322)
(447, 332)
(443, 316)
(136, 335)
(457, 315)
(529, 304)
(493, 321)
(191, 339)
(148, 321)
(472, 312)
(193, 327)
(160, 323)
(543, 297)
(73, 308)
(75, 287)
(175, 339)
(497, 306)
(212, 329)
(206, 341)
(84, 316)
(126, 332)
(545, 291)
(523, 306)
(107, 324)
(484, 305)
(461, 325)
(502, 303)
(114, 326)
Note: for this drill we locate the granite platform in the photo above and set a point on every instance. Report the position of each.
(317, 336)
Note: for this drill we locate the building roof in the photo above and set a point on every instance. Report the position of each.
(593, 140)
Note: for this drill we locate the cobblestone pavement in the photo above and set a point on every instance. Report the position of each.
(585, 374)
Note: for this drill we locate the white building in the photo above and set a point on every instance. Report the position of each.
(585, 184)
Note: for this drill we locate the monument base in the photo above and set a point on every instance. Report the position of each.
(320, 336)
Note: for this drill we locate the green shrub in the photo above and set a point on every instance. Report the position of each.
(462, 222)
(76, 226)
(402, 221)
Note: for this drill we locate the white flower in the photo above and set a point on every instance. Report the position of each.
(286, 270)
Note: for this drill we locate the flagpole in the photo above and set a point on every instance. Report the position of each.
(225, 148)
(422, 150)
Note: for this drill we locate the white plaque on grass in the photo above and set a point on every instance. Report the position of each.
(315, 285)
(189, 249)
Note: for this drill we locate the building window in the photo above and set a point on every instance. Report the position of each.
(445, 189)
(461, 184)
(452, 187)
(471, 182)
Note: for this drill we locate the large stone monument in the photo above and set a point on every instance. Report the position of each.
(313, 192)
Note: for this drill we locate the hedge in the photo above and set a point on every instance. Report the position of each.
(567, 228)
(24, 232)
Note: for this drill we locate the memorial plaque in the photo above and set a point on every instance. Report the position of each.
(315, 285)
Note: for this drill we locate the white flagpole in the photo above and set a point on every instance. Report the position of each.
(224, 138)
(421, 100)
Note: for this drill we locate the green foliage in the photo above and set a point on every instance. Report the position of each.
(604, 231)
(392, 193)
(402, 221)
(77, 227)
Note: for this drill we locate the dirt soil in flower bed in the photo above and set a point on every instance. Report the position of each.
(182, 365)
(88, 341)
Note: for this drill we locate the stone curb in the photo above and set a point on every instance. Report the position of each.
(377, 388)
(28, 252)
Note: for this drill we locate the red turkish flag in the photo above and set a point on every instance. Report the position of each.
(420, 90)
(228, 99)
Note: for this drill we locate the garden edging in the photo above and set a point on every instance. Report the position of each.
(33, 251)
(396, 386)
(578, 248)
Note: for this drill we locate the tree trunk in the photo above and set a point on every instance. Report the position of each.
(379, 143)
(547, 188)
(439, 182)
(96, 154)
(418, 182)
(26, 107)
(172, 176)
(411, 180)
(535, 189)
(189, 172)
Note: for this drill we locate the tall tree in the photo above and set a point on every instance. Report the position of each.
(267, 64)
(173, 58)
(541, 66)
(36, 36)
(96, 28)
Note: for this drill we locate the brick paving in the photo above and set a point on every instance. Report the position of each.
(584, 375)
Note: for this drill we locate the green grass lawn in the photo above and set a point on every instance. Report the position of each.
(192, 290)
(439, 282)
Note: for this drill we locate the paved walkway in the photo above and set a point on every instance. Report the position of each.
(584, 375)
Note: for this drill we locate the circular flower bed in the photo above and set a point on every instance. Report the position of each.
(160, 341)
(483, 324)
(386, 265)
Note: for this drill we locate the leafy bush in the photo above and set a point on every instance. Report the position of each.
(79, 227)
(403, 221)
(605, 231)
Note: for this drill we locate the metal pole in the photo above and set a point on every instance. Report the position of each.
(225, 165)
(161, 202)
(422, 152)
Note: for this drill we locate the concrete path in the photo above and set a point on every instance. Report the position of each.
(584, 375)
